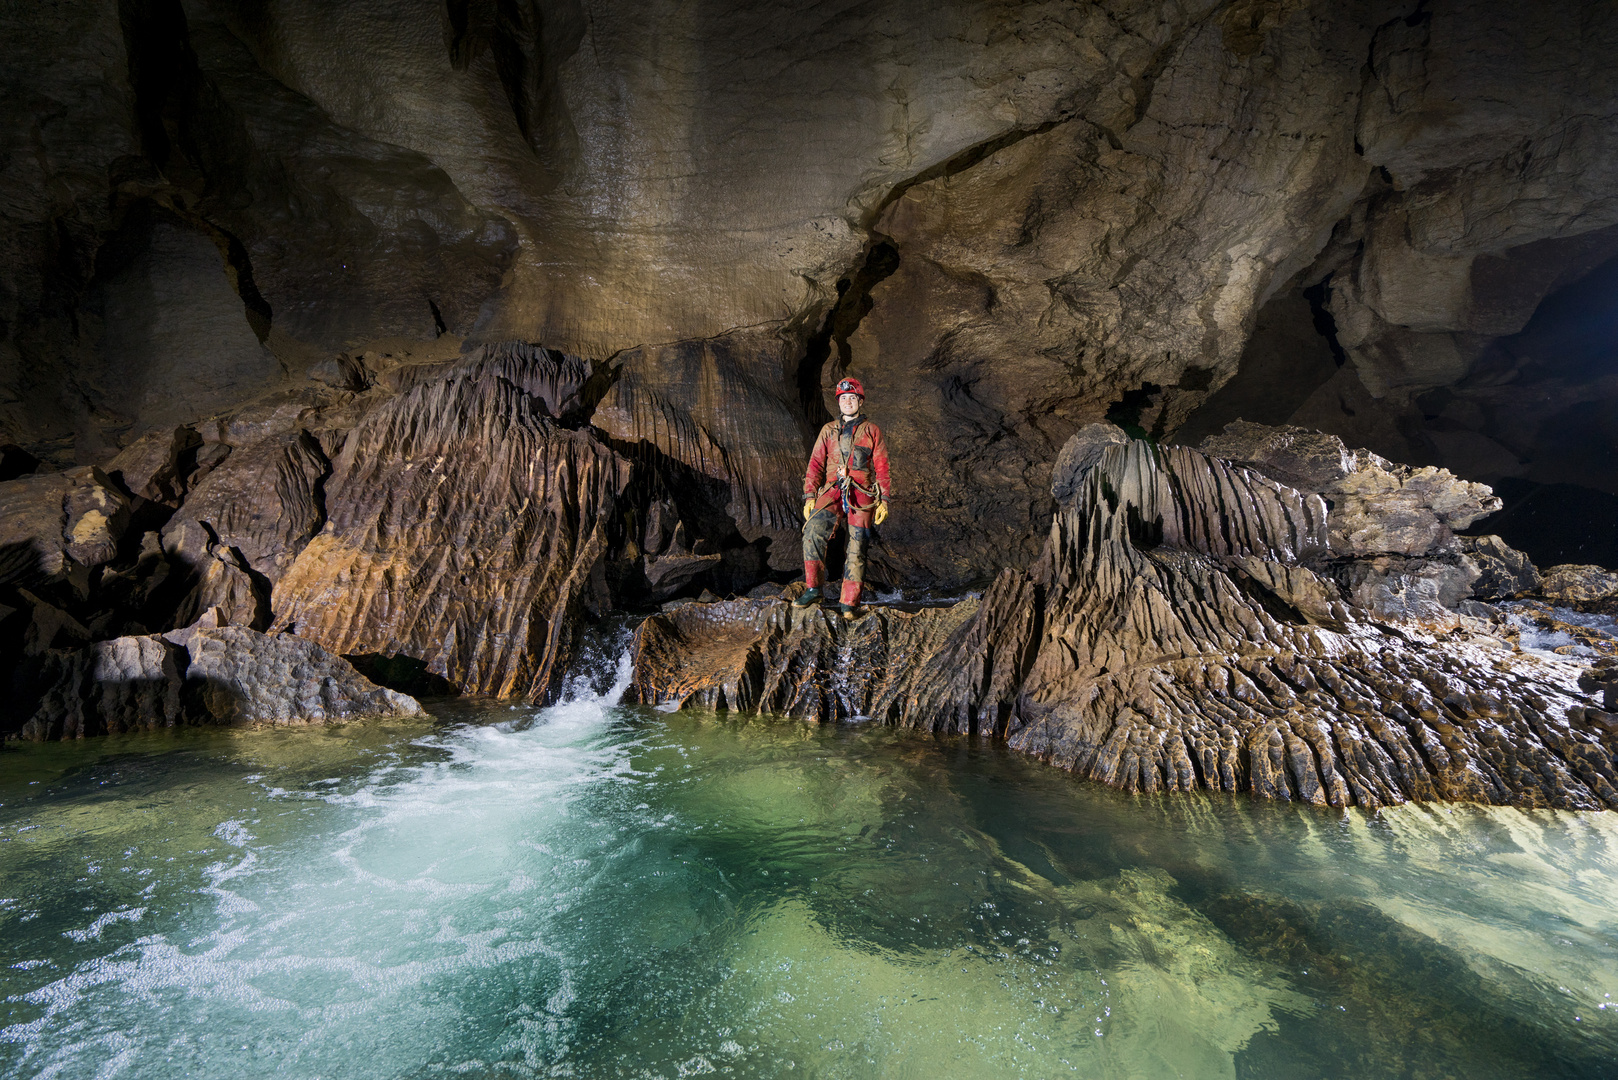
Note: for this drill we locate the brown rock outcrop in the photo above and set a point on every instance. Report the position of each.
(464, 528)
(1572, 583)
(1170, 640)
(767, 656)
(1503, 571)
(723, 408)
(244, 522)
(1378, 507)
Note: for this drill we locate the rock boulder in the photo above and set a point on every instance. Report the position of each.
(1575, 584)
(202, 675)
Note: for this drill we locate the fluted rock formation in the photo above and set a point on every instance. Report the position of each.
(227, 224)
(243, 524)
(1162, 669)
(1377, 506)
(767, 656)
(1392, 527)
(1172, 639)
(464, 528)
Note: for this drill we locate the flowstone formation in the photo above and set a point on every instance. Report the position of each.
(445, 526)
(1188, 627)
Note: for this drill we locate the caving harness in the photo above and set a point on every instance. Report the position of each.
(846, 436)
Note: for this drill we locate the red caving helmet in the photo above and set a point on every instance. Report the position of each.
(850, 386)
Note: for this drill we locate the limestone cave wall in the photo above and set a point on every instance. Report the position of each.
(266, 264)
(1009, 219)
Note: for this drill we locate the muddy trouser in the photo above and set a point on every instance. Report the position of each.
(817, 533)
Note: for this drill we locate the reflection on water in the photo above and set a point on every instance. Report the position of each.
(591, 891)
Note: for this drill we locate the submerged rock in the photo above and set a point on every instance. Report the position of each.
(1172, 639)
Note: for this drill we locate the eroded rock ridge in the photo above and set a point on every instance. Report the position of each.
(1186, 629)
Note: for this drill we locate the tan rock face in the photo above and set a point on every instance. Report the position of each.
(710, 164)
(1579, 583)
(1377, 506)
(728, 410)
(463, 527)
(1486, 199)
(53, 523)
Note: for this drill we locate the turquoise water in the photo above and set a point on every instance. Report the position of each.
(592, 891)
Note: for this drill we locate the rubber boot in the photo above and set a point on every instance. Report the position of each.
(814, 575)
(850, 604)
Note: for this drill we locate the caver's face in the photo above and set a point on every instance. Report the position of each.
(849, 404)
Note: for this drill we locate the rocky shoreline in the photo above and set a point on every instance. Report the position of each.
(1184, 631)
(1273, 613)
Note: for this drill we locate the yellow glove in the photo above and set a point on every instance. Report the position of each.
(808, 508)
(881, 514)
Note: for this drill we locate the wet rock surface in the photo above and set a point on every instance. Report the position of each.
(463, 527)
(1575, 583)
(1172, 638)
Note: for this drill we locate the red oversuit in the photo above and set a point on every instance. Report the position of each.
(847, 476)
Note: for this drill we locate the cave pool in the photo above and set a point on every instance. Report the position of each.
(595, 891)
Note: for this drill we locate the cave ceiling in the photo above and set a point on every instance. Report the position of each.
(1009, 219)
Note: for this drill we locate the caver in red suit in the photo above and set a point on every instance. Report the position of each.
(846, 482)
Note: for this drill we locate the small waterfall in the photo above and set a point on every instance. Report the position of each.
(604, 667)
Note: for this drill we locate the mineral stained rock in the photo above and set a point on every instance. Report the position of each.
(463, 528)
(1503, 571)
(1171, 639)
(453, 517)
(243, 524)
(1575, 583)
(224, 675)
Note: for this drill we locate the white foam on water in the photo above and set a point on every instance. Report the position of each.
(356, 936)
(539, 896)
